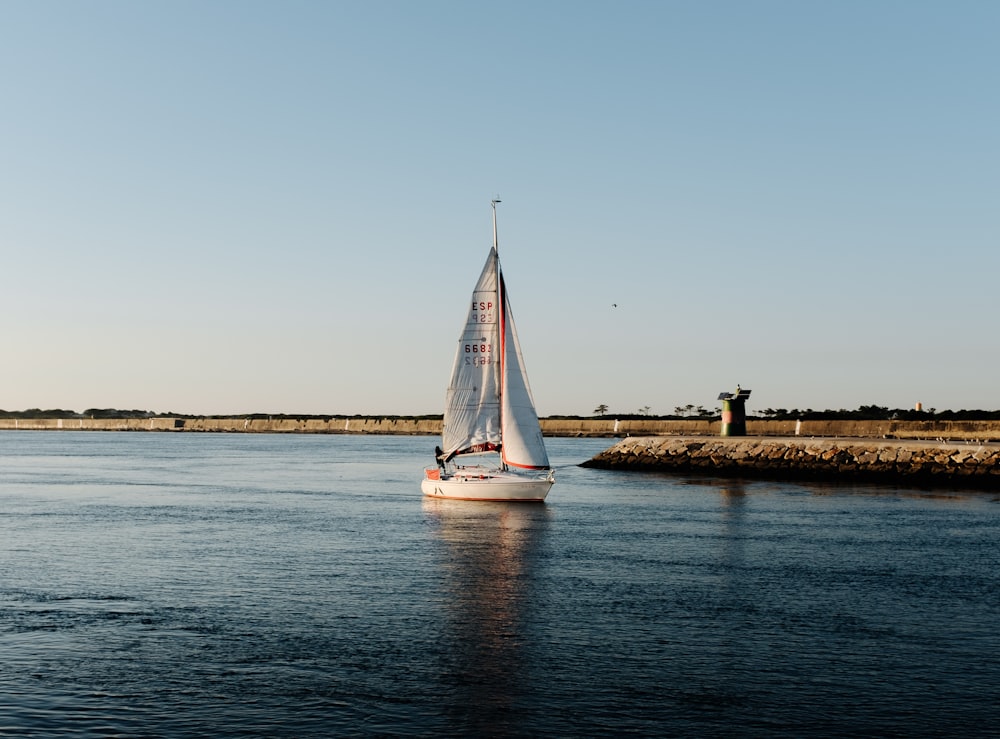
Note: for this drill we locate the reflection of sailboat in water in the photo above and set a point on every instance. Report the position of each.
(487, 561)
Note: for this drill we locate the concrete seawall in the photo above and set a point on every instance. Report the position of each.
(402, 426)
(593, 427)
(934, 464)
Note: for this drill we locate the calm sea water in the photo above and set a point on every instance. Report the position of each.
(242, 586)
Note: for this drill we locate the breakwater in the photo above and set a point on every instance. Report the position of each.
(936, 464)
(973, 431)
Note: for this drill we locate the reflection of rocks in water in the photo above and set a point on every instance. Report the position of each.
(733, 491)
(487, 567)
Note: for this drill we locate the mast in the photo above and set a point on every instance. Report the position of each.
(494, 202)
(501, 316)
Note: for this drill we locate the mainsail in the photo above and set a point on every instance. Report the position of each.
(472, 405)
(489, 406)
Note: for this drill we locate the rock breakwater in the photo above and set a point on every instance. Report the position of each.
(933, 464)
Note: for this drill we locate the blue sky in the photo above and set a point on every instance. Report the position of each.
(227, 207)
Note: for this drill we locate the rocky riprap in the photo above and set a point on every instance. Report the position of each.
(937, 464)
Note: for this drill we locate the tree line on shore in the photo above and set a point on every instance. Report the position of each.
(862, 413)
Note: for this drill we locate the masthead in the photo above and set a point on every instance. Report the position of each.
(494, 202)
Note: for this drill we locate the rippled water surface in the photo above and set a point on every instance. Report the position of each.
(157, 584)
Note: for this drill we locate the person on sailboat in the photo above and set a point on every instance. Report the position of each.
(439, 456)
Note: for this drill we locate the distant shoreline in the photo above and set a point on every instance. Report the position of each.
(970, 431)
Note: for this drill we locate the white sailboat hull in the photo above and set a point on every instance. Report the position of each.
(488, 485)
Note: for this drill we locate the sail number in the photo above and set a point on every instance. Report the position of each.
(479, 354)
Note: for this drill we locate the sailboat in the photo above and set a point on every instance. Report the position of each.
(491, 441)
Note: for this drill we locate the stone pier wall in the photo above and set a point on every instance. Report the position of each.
(937, 464)
(402, 426)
